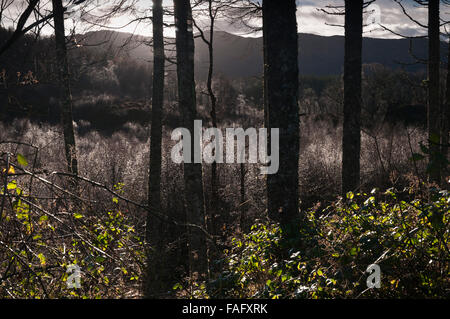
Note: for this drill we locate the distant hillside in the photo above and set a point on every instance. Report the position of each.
(238, 57)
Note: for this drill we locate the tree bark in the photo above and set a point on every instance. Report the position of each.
(265, 70)
(194, 200)
(433, 89)
(243, 205)
(213, 99)
(446, 115)
(158, 280)
(351, 140)
(64, 84)
(281, 42)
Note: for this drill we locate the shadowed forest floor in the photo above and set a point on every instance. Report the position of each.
(46, 227)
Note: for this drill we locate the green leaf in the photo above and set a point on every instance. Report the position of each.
(177, 286)
(42, 259)
(77, 215)
(12, 185)
(353, 251)
(369, 201)
(22, 160)
(115, 200)
(435, 138)
(99, 259)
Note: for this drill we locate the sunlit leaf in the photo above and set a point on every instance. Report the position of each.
(42, 259)
(12, 185)
(77, 215)
(22, 160)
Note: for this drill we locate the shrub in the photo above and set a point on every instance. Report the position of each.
(405, 233)
(43, 234)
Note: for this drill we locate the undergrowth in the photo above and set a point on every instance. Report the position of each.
(405, 232)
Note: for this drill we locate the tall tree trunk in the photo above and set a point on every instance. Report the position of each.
(446, 113)
(213, 99)
(281, 41)
(157, 276)
(265, 95)
(351, 141)
(243, 206)
(265, 70)
(433, 89)
(64, 83)
(187, 103)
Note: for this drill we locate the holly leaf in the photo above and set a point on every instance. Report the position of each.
(22, 160)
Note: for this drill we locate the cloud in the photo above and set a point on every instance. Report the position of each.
(310, 19)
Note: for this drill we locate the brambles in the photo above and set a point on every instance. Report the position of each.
(47, 229)
(403, 232)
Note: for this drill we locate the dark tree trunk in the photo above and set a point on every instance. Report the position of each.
(446, 114)
(187, 103)
(265, 68)
(433, 89)
(243, 205)
(213, 99)
(64, 83)
(157, 278)
(281, 42)
(351, 141)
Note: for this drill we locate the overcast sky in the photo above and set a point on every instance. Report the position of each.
(309, 16)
